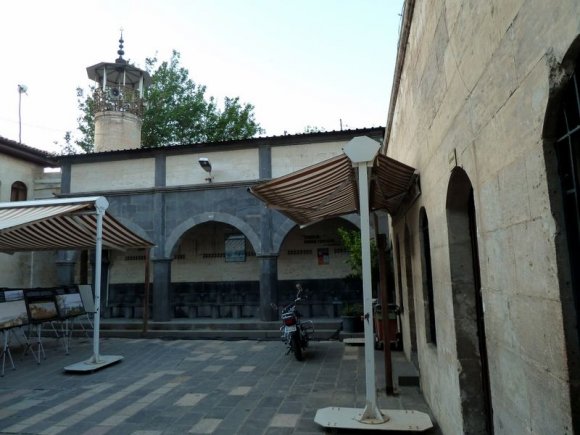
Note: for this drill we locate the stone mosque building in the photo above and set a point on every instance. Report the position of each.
(219, 252)
(485, 106)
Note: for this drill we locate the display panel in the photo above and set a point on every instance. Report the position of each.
(69, 303)
(41, 305)
(12, 309)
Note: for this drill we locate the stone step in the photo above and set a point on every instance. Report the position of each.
(325, 329)
(200, 334)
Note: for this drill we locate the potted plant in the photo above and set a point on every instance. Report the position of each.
(352, 315)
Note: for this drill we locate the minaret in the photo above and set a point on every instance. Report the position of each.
(118, 103)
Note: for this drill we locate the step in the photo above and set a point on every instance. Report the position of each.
(325, 329)
(209, 334)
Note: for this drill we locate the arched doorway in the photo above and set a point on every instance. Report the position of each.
(474, 383)
(315, 257)
(214, 273)
(427, 279)
(562, 157)
(410, 296)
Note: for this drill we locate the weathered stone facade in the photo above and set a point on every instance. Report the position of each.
(164, 195)
(474, 100)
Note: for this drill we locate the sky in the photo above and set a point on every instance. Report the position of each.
(321, 63)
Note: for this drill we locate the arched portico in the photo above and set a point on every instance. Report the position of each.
(226, 218)
(194, 279)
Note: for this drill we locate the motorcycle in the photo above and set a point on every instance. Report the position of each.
(295, 332)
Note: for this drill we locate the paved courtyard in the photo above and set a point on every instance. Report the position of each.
(188, 387)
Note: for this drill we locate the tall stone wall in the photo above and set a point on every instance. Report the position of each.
(473, 94)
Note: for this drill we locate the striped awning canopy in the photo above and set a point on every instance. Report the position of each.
(329, 189)
(61, 224)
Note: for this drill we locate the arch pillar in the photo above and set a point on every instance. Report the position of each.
(161, 284)
(268, 287)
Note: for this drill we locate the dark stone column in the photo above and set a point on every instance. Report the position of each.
(265, 159)
(65, 176)
(268, 287)
(268, 259)
(161, 266)
(161, 287)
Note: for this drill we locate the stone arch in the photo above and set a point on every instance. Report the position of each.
(282, 231)
(134, 227)
(558, 147)
(173, 238)
(468, 315)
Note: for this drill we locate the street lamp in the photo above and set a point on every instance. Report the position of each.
(206, 166)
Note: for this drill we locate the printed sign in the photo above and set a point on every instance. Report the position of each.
(41, 305)
(12, 309)
(69, 304)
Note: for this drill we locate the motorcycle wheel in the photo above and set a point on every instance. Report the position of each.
(296, 347)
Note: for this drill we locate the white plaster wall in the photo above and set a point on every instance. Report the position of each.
(115, 175)
(299, 253)
(476, 82)
(200, 257)
(290, 158)
(227, 166)
(12, 170)
(15, 269)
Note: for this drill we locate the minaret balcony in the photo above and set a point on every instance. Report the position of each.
(118, 99)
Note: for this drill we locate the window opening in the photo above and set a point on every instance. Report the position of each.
(429, 299)
(18, 191)
(568, 154)
(235, 248)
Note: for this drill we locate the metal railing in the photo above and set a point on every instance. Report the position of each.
(118, 99)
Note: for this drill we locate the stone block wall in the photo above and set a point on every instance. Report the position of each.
(474, 93)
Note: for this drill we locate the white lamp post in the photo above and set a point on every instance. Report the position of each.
(362, 151)
(97, 361)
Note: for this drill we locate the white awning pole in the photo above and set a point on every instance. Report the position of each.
(371, 412)
(362, 152)
(98, 258)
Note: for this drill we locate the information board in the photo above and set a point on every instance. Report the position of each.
(12, 309)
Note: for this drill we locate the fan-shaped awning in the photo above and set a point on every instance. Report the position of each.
(61, 224)
(329, 189)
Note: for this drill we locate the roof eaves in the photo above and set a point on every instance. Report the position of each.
(27, 153)
(238, 143)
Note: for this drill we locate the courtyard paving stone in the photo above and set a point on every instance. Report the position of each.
(165, 387)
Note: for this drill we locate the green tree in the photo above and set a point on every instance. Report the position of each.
(351, 239)
(86, 122)
(177, 111)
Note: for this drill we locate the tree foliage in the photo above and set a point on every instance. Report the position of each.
(177, 111)
(351, 239)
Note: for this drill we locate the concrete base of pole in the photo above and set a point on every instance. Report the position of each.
(396, 420)
(91, 365)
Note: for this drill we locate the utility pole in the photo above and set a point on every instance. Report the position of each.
(22, 89)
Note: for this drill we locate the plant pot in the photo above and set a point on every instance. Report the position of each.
(352, 324)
